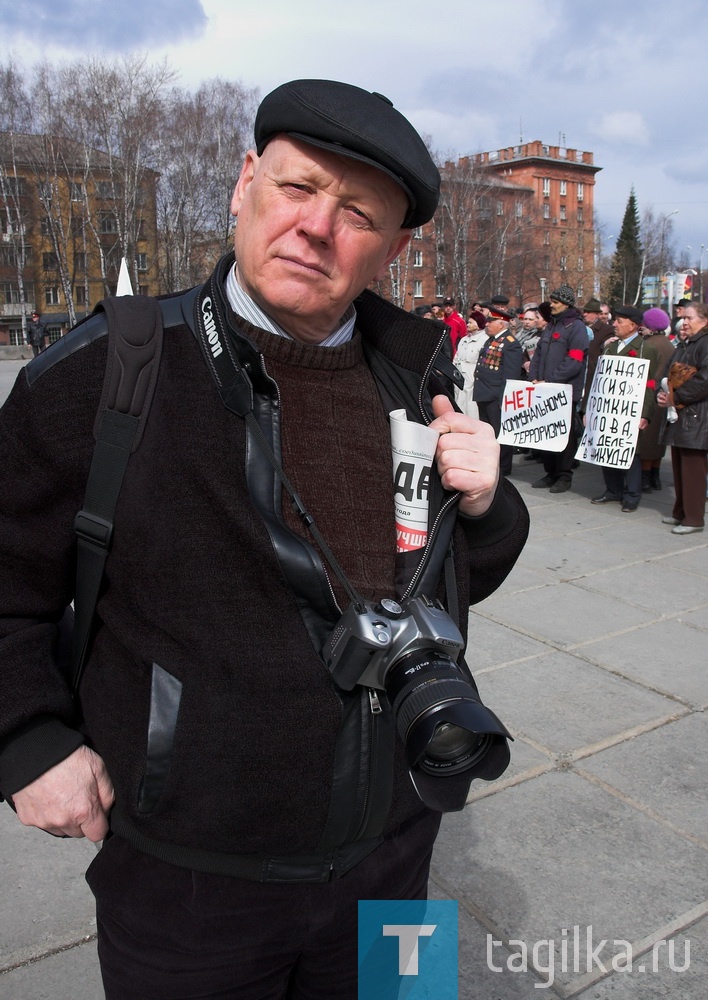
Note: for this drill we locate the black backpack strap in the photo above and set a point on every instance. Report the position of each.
(134, 347)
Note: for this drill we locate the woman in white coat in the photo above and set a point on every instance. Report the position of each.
(465, 361)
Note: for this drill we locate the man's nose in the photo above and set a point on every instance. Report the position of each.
(318, 219)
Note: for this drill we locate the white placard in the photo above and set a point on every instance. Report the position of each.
(613, 412)
(536, 416)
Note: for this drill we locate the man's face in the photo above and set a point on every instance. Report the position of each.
(495, 326)
(624, 327)
(557, 307)
(448, 309)
(314, 230)
(590, 317)
(529, 319)
(605, 313)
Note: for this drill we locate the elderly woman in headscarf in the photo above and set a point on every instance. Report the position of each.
(466, 356)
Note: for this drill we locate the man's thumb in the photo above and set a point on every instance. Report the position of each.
(442, 405)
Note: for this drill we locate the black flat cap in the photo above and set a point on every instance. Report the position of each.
(352, 122)
(630, 312)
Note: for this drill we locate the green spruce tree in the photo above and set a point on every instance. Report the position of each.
(626, 272)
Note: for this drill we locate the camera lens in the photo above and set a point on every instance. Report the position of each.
(444, 727)
(450, 743)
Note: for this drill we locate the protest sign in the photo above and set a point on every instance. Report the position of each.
(536, 416)
(613, 412)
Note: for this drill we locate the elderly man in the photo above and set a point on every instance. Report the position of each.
(560, 357)
(235, 753)
(500, 359)
(624, 486)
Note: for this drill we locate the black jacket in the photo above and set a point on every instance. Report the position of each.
(691, 428)
(204, 638)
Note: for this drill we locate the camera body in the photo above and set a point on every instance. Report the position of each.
(369, 638)
(409, 651)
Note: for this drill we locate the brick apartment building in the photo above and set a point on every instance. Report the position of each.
(66, 221)
(515, 221)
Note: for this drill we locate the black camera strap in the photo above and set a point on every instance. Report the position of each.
(236, 392)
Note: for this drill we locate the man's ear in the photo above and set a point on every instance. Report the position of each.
(247, 174)
(397, 247)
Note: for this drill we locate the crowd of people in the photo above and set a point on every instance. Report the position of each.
(554, 341)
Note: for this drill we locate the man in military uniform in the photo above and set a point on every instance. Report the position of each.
(500, 359)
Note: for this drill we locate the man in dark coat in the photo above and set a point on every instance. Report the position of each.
(601, 331)
(560, 357)
(625, 485)
(36, 333)
(500, 359)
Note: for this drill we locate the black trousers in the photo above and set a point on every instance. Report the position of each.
(559, 464)
(167, 933)
(625, 484)
(689, 466)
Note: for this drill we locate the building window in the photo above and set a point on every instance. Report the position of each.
(518, 209)
(418, 233)
(144, 290)
(418, 258)
(439, 289)
(500, 208)
(546, 211)
(80, 261)
(579, 292)
(109, 190)
(49, 262)
(10, 293)
(547, 238)
(580, 215)
(562, 213)
(564, 188)
(14, 186)
(108, 223)
(546, 263)
(51, 295)
(16, 336)
(53, 334)
(141, 260)
(563, 263)
(76, 191)
(580, 263)
(581, 188)
(545, 150)
(546, 187)
(80, 295)
(45, 192)
(418, 289)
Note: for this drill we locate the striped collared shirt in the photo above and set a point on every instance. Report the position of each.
(243, 305)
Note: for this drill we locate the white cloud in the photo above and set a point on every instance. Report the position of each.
(623, 127)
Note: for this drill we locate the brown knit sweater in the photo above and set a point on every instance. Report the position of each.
(323, 392)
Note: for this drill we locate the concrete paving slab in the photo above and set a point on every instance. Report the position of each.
(490, 645)
(34, 921)
(668, 657)
(696, 619)
(695, 560)
(631, 584)
(663, 770)
(677, 969)
(578, 556)
(527, 577)
(563, 704)
(563, 614)
(69, 975)
(575, 857)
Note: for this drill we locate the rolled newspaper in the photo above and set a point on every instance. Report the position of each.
(671, 411)
(413, 446)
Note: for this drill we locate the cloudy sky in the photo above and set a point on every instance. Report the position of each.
(625, 80)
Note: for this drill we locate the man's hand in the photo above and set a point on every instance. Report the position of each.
(467, 456)
(73, 798)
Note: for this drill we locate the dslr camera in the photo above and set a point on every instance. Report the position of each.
(408, 651)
